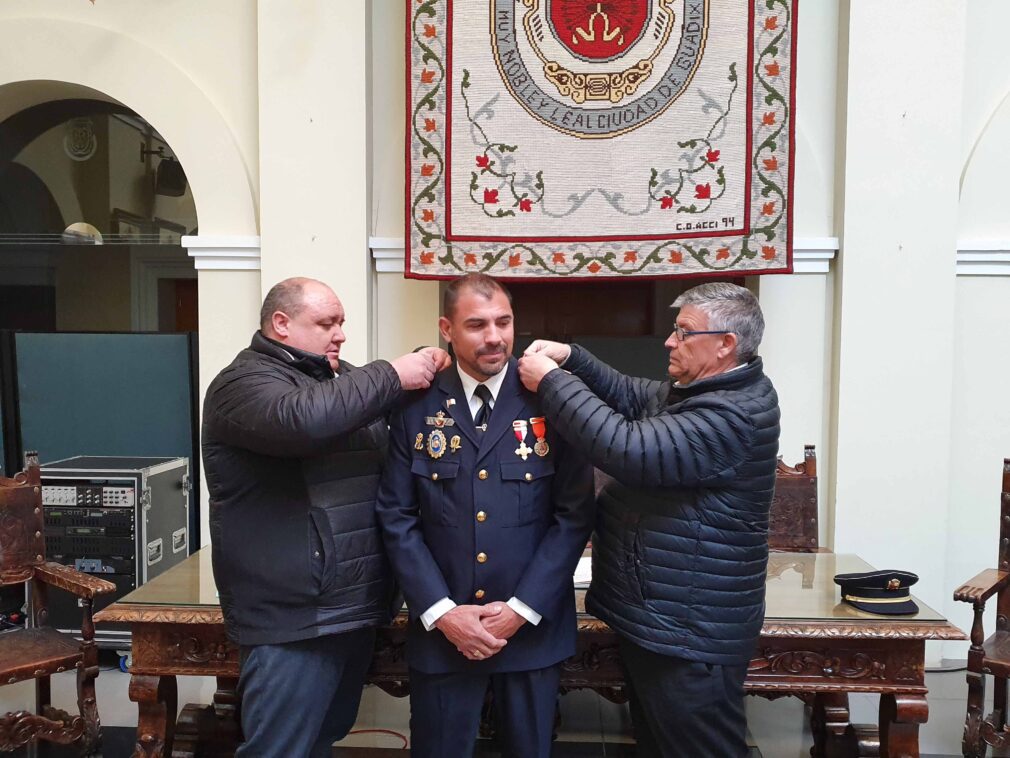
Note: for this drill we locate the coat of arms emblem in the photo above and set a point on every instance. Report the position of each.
(597, 68)
(598, 31)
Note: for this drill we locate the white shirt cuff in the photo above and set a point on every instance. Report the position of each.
(524, 610)
(433, 614)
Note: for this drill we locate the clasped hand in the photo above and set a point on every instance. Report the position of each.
(479, 631)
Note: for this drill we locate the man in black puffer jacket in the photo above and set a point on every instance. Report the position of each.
(294, 440)
(681, 542)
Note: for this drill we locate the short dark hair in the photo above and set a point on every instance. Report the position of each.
(482, 284)
(285, 296)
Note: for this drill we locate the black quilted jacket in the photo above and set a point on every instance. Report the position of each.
(292, 458)
(681, 542)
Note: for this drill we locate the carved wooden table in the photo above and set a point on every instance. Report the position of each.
(812, 646)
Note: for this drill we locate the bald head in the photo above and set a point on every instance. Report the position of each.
(306, 314)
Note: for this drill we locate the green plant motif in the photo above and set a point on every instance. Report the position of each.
(429, 151)
(766, 149)
(703, 191)
(605, 264)
(491, 162)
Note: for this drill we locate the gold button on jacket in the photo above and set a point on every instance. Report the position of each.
(481, 516)
(479, 594)
(482, 474)
(481, 557)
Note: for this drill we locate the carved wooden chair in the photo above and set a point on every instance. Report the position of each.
(792, 521)
(38, 651)
(989, 656)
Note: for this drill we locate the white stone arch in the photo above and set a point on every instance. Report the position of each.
(143, 79)
(985, 193)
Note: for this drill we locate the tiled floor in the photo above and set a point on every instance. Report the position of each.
(779, 728)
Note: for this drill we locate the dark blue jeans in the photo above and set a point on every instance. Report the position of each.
(300, 697)
(682, 708)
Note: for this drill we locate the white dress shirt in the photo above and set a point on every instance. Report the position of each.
(443, 606)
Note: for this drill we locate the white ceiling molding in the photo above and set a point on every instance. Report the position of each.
(388, 254)
(224, 252)
(811, 255)
(983, 258)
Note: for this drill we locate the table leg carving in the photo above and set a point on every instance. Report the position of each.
(900, 716)
(829, 719)
(156, 699)
(226, 700)
(210, 730)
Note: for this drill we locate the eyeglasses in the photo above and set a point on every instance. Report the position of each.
(681, 334)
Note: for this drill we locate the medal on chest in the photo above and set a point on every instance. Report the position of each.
(519, 427)
(436, 443)
(439, 420)
(539, 426)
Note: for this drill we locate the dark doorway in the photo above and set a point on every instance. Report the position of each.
(28, 307)
(177, 305)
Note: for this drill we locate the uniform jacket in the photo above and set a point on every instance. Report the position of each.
(530, 518)
(681, 543)
(292, 458)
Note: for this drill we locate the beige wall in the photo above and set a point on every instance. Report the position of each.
(816, 115)
(313, 151)
(892, 437)
(405, 311)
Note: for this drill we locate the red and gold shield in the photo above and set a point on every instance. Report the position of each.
(598, 30)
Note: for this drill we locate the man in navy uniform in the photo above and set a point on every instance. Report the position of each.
(485, 512)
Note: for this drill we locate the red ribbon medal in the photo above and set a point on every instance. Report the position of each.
(539, 425)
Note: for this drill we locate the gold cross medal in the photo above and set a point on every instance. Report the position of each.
(454, 443)
(519, 427)
(539, 426)
(419, 441)
(439, 420)
(436, 443)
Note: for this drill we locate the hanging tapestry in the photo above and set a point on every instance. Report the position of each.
(569, 138)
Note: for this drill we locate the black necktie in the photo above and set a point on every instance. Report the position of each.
(483, 417)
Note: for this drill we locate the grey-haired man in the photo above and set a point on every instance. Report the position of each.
(681, 542)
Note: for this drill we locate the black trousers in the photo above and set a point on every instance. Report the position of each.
(445, 712)
(300, 697)
(682, 708)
